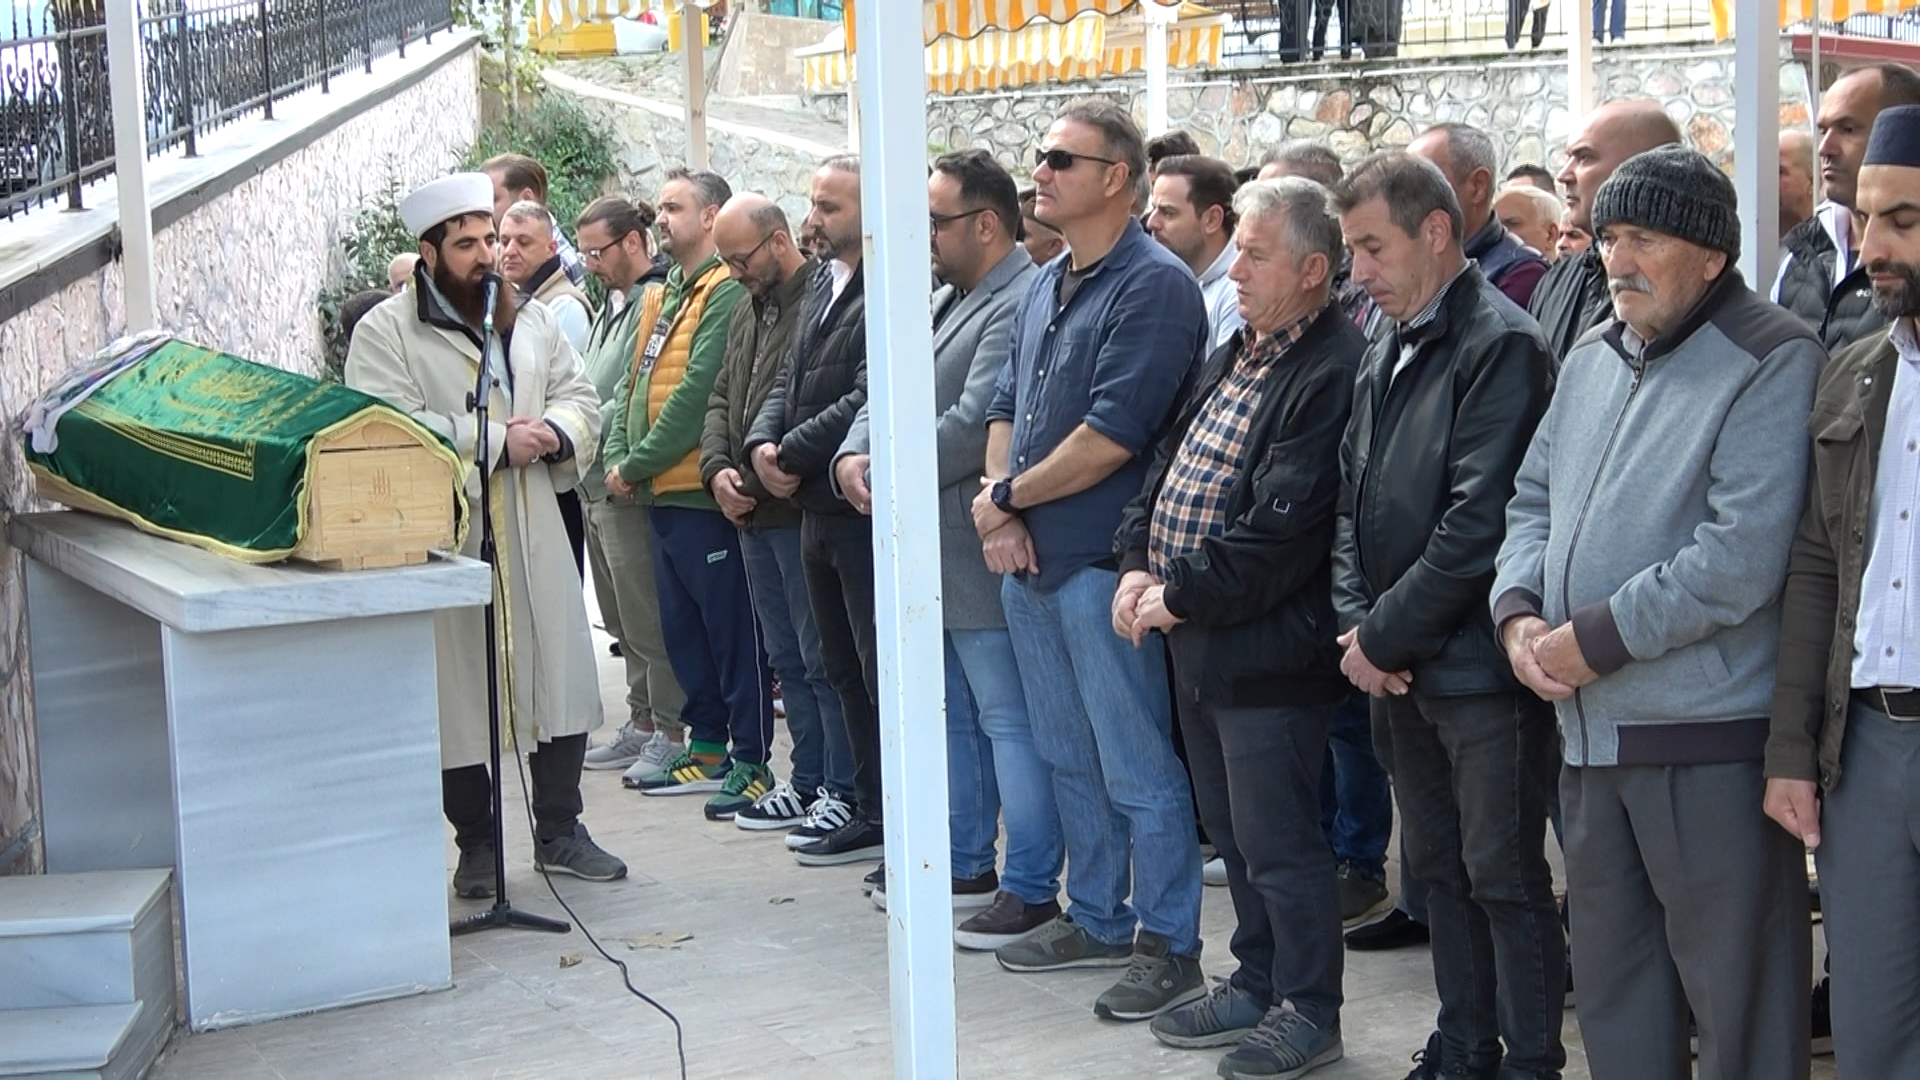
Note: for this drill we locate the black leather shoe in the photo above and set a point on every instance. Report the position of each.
(1396, 931)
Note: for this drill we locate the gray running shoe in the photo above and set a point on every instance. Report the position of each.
(624, 750)
(1155, 982)
(473, 877)
(1059, 945)
(1225, 1016)
(577, 855)
(1285, 1046)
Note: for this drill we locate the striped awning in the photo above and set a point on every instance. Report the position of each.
(580, 12)
(967, 18)
(1795, 12)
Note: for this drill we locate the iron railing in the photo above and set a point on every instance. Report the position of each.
(1287, 31)
(205, 64)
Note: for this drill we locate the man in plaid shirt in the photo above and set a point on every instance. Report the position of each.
(1228, 552)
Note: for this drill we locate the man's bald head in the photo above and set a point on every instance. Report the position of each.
(753, 237)
(1604, 138)
(1796, 177)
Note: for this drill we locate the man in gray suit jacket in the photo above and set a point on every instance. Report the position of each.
(991, 761)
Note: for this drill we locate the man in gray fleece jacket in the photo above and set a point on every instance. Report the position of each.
(1639, 589)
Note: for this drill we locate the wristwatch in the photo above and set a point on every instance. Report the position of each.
(1001, 495)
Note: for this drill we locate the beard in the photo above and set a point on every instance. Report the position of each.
(467, 296)
(1903, 300)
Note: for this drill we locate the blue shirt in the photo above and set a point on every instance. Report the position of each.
(1113, 359)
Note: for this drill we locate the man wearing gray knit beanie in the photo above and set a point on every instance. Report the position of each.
(1638, 589)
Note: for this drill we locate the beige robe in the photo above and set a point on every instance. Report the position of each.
(428, 371)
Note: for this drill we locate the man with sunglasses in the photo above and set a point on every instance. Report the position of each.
(1101, 344)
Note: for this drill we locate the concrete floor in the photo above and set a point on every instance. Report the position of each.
(783, 973)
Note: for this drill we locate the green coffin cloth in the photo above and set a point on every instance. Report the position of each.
(205, 447)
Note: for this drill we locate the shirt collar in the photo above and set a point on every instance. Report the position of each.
(1220, 263)
(1432, 310)
(1263, 350)
(840, 273)
(1906, 341)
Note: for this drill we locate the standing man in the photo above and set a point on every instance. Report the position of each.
(1646, 548)
(1840, 759)
(991, 761)
(1442, 414)
(1465, 156)
(1042, 241)
(754, 241)
(1317, 162)
(653, 438)
(1191, 214)
(619, 544)
(519, 178)
(530, 261)
(1229, 546)
(1102, 343)
(419, 351)
(1821, 278)
(1572, 299)
(791, 445)
(1797, 184)
(1533, 216)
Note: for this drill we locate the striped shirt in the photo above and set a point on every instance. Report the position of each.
(1192, 505)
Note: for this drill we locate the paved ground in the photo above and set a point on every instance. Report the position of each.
(784, 974)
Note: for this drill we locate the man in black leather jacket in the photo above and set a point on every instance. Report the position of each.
(1445, 406)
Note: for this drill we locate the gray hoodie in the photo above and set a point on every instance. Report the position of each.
(1655, 510)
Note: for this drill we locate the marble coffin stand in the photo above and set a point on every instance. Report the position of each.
(269, 733)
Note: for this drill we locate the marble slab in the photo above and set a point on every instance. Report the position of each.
(198, 592)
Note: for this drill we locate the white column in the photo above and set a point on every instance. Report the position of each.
(891, 64)
(1158, 20)
(694, 42)
(1756, 136)
(1580, 73)
(125, 83)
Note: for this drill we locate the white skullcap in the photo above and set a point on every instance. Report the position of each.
(445, 199)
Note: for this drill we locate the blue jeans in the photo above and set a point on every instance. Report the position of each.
(713, 640)
(1616, 27)
(821, 757)
(1356, 803)
(1102, 720)
(992, 764)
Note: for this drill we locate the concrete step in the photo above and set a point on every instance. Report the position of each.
(70, 1042)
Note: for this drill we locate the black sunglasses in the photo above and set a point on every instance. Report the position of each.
(941, 219)
(1062, 160)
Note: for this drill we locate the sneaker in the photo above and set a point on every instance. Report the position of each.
(856, 841)
(746, 782)
(659, 753)
(779, 808)
(1214, 871)
(473, 877)
(577, 855)
(969, 894)
(876, 880)
(613, 649)
(1061, 944)
(1008, 920)
(684, 775)
(1822, 1019)
(1225, 1016)
(1285, 1045)
(1426, 1063)
(622, 752)
(1396, 931)
(827, 813)
(1155, 982)
(1361, 897)
(1427, 1066)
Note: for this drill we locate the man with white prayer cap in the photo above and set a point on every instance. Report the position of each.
(421, 351)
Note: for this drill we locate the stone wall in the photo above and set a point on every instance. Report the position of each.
(242, 273)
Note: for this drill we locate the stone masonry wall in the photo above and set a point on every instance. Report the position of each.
(243, 274)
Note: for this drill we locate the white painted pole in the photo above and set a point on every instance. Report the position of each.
(1158, 19)
(891, 63)
(1813, 84)
(853, 114)
(124, 82)
(1756, 136)
(1580, 72)
(694, 41)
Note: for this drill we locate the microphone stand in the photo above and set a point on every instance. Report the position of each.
(502, 913)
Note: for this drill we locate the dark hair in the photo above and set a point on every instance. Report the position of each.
(1117, 130)
(984, 182)
(619, 215)
(1209, 183)
(1172, 144)
(711, 189)
(1413, 187)
(1315, 161)
(438, 233)
(518, 173)
(1898, 84)
(356, 307)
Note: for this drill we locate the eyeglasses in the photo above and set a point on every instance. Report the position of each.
(942, 219)
(595, 253)
(1061, 160)
(738, 263)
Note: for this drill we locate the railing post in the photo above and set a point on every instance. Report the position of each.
(184, 82)
(366, 32)
(70, 116)
(403, 34)
(326, 55)
(266, 60)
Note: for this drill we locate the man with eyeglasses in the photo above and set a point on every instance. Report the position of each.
(1101, 344)
(615, 238)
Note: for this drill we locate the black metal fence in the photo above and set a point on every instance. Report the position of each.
(205, 63)
(1288, 31)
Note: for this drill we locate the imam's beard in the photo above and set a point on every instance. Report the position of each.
(1902, 301)
(469, 296)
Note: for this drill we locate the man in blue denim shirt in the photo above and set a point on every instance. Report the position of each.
(1101, 345)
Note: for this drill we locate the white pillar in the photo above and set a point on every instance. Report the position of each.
(694, 41)
(125, 84)
(1580, 73)
(1756, 136)
(1158, 20)
(891, 64)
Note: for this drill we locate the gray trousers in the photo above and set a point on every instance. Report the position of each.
(1869, 858)
(620, 557)
(1683, 892)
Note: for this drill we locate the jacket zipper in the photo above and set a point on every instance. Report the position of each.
(1566, 571)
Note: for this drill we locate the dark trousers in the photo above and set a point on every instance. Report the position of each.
(553, 772)
(1356, 803)
(1472, 775)
(1256, 771)
(1686, 893)
(836, 552)
(713, 641)
(573, 517)
(1517, 19)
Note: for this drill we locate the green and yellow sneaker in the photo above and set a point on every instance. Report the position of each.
(684, 775)
(744, 785)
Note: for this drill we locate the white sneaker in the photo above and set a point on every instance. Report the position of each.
(779, 808)
(1215, 871)
(623, 751)
(825, 815)
(652, 760)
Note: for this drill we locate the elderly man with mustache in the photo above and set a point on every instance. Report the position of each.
(1639, 589)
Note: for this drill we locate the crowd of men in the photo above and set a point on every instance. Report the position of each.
(1268, 499)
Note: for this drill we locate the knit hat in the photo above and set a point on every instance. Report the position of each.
(1674, 191)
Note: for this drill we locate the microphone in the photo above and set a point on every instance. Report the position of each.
(489, 296)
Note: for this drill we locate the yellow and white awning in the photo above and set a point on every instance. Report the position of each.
(967, 18)
(1795, 12)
